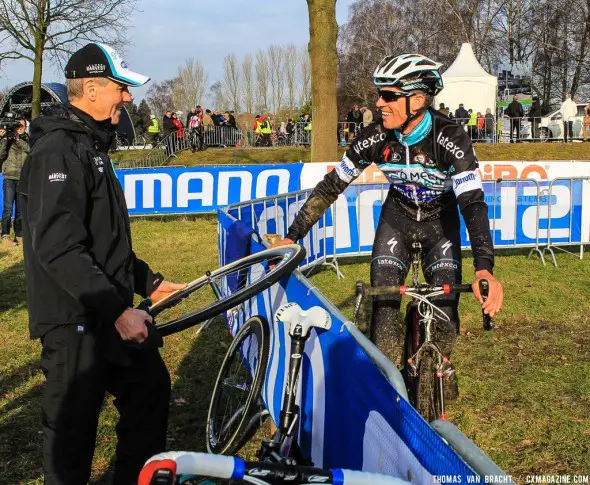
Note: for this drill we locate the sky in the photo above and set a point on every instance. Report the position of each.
(166, 32)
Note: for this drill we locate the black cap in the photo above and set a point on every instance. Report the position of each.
(100, 60)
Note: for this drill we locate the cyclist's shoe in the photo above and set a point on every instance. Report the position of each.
(451, 387)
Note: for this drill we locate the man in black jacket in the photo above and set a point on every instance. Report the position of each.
(515, 112)
(81, 275)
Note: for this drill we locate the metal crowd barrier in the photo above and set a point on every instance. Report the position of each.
(264, 209)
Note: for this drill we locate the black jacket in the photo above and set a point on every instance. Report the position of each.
(79, 261)
(514, 110)
(168, 125)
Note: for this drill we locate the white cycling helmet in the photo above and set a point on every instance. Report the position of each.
(409, 72)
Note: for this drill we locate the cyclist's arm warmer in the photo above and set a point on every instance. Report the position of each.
(470, 197)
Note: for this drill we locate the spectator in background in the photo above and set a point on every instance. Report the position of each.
(480, 126)
(442, 109)
(535, 118)
(178, 124)
(461, 115)
(354, 119)
(515, 112)
(169, 127)
(232, 120)
(153, 131)
(568, 110)
(367, 116)
(207, 120)
(586, 122)
(194, 125)
(266, 130)
(378, 117)
(290, 131)
(472, 124)
(13, 152)
(489, 125)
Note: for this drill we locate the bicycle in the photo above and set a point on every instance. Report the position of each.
(426, 369)
(233, 417)
(218, 291)
(176, 467)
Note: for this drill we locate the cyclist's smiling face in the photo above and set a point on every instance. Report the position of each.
(394, 110)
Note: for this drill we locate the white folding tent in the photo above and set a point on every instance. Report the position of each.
(468, 83)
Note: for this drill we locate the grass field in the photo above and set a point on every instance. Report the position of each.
(485, 152)
(525, 387)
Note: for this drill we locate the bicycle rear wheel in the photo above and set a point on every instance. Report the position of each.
(224, 288)
(230, 419)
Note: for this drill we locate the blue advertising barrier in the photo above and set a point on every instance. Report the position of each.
(351, 415)
(520, 213)
(178, 190)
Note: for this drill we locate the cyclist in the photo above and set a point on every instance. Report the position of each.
(430, 163)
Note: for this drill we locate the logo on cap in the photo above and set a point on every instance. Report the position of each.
(124, 65)
(95, 68)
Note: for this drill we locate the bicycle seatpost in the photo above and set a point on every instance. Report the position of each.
(484, 289)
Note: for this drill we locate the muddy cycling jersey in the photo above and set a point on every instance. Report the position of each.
(430, 170)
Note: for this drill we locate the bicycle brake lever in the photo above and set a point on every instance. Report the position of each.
(484, 289)
(145, 305)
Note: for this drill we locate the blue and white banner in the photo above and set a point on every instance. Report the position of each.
(189, 190)
(520, 214)
(351, 416)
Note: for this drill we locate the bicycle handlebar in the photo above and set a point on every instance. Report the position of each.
(164, 468)
(425, 289)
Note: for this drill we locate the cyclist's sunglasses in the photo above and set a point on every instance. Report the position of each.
(391, 96)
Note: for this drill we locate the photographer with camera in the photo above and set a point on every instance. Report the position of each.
(14, 148)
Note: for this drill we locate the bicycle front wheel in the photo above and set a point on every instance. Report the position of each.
(426, 389)
(237, 389)
(224, 288)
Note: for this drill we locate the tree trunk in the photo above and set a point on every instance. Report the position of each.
(582, 53)
(37, 73)
(323, 31)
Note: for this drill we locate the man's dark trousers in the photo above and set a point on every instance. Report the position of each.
(568, 129)
(9, 191)
(515, 125)
(77, 377)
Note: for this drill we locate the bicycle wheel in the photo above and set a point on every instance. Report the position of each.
(237, 389)
(224, 288)
(426, 392)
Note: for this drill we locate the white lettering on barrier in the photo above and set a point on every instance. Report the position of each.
(560, 208)
(262, 181)
(505, 222)
(148, 181)
(272, 213)
(245, 179)
(342, 223)
(205, 195)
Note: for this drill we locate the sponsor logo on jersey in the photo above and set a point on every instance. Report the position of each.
(392, 243)
(466, 181)
(390, 261)
(419, 158)
(347, 171)
(444, 264)
(450, 146)
(367, 142)
(445, 247)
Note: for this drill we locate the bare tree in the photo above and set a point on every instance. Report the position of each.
(262, 79)
(290, 70)
(159, 98)
(32, 29)
(305, 76)
(275, 61)
(189, 85)
(231, 81)
(323, 31)
(219, 100)
(248, 83)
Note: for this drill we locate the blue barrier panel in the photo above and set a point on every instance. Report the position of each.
(203, 189)
(351, 416)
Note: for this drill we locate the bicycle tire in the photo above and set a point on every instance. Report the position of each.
(220, 439)
(426, 388)
(287, 258)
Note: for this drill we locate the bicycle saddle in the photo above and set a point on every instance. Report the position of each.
(292, 315)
